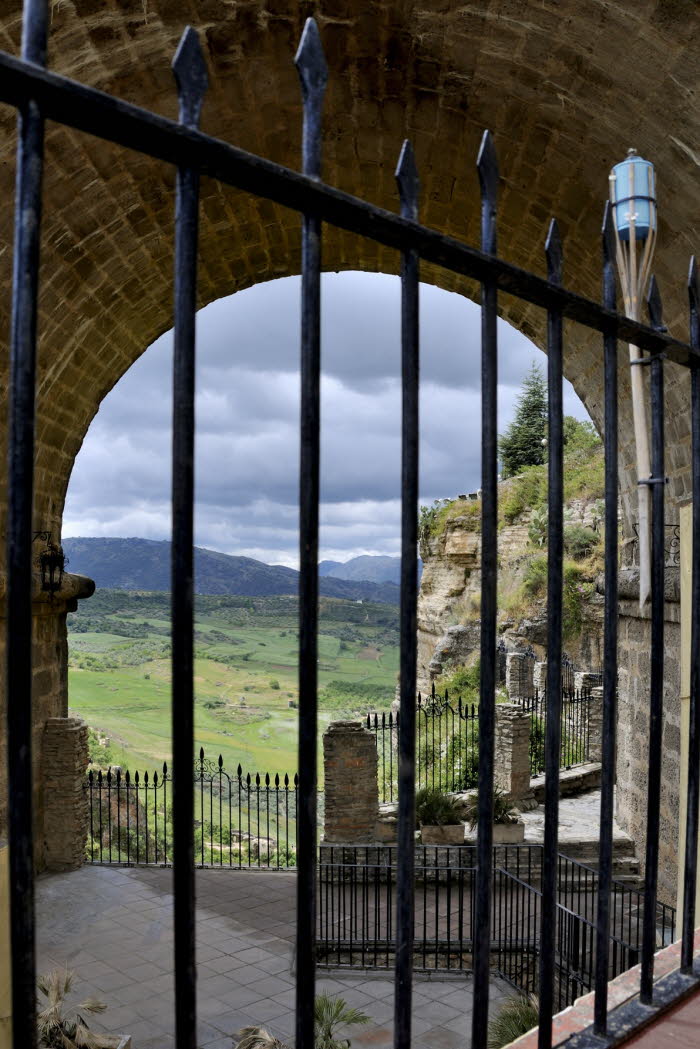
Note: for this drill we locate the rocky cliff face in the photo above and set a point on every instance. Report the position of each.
(449, 628)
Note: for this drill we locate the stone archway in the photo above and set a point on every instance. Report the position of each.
(565, 87)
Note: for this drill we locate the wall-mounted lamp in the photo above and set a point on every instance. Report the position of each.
(52, 563)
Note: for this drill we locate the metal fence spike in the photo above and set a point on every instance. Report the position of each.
(191, 76)
(608, 232)
(311, 63)
(487, 166)
(654, 305)
(693, 288)
(553, 253)
(408, 182)
(221, 762)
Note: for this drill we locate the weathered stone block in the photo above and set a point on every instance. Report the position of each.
(66, 805)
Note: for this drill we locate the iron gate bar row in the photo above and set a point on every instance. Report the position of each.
(39, 95)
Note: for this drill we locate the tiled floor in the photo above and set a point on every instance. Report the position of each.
(112, 926)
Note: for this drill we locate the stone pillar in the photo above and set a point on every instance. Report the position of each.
(519, 675)
(66, 804)
(350, 775)
(595, 724)
(539, 676)
(49, 685)
(584, 681)
(513, 752)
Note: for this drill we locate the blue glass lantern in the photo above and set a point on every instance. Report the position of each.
(633, 196)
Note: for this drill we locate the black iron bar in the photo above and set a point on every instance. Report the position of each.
(21, 397)
(657, 663)
(693, 809)
(607, 777)
(407, 179)
(114, 120)
(191, 78)
(313, 74)
(555, 553)
(488, 178)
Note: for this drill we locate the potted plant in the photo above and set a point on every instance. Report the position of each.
(439, 818)
(508, 828)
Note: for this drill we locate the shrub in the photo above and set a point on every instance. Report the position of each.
(580, 541)
(517, 1016)
(274, 684)
(535, 579)
(502, 805)
(435, 809)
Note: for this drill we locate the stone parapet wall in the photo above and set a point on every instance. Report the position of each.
(66, 806)
(350, 783)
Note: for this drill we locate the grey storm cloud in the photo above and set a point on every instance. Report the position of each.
(248, 421)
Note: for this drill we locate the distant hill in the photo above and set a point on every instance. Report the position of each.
(144, 564)
(373, 569)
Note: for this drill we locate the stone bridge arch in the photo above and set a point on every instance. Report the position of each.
(564, 86)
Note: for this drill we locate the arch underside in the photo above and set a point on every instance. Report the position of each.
(565, 89)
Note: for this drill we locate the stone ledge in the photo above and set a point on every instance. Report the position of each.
(571, 781)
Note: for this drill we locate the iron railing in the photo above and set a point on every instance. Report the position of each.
(40, 95)
(357, 886)
(447, 740)
(241, 819)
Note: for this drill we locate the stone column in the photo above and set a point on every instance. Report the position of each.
(539, 676)
(595, 724)
(350, 775)
(519, 675)
(513, 753)
(66, 806)
(49, 685)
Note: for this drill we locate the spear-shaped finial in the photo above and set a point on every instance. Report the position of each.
(608, 234)
(311, 62)
(313, 74)
(654, 306)
(693, 286)
(487, 165)
(553, 253)
(191, 77)
(408, 182)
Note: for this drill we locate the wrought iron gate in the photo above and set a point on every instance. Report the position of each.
(40, 95)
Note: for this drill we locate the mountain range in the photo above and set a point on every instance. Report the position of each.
(144, 564)
(368, 568)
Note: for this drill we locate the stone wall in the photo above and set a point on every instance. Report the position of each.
(633, 732)
(49, 687)
(350, 783)
(65, 757)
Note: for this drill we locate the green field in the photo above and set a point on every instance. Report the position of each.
(245, 675)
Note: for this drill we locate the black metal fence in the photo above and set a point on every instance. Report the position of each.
(39, 96)
(447, 740)
(575, 732)
(241, 819)
(356, 915)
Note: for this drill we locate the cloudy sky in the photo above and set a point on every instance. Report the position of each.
(248, 421)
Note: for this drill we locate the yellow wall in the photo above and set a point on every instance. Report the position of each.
(686, 517)
(5, 989)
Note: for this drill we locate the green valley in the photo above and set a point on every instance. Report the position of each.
(245, 674)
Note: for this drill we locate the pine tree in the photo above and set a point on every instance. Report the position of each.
(521, 444)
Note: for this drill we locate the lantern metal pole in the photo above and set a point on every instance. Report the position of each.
(634, 277)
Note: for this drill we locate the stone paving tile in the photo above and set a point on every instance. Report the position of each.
(244, 964)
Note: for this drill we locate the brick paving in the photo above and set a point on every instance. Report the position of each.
(113, 927)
